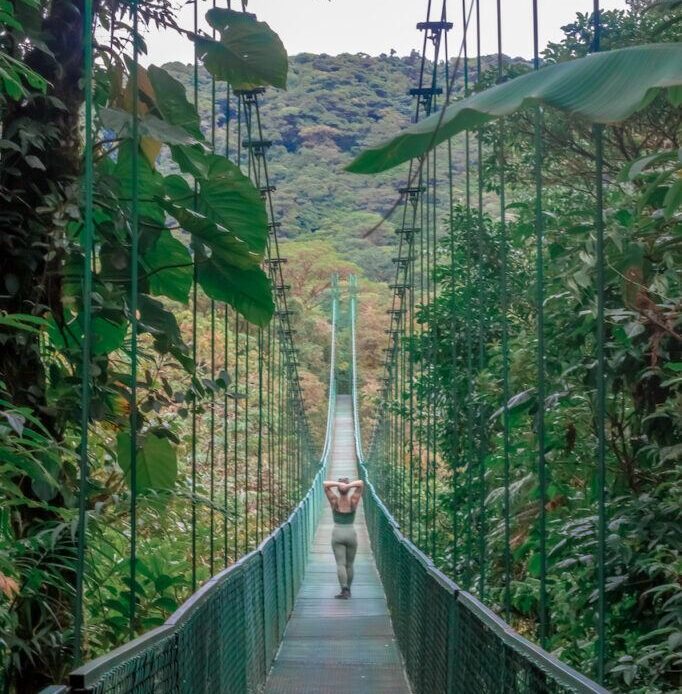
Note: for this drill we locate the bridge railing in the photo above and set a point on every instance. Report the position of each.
(449, 640)
(224, 638)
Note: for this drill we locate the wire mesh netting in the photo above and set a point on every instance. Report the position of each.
(449, 641)
(226, 636)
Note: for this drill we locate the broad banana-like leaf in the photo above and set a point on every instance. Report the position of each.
(225, 247)
(249, 53)
(601, 88)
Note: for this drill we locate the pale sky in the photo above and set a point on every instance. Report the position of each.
(376, 26)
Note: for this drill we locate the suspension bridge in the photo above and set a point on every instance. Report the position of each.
(269, 623)
(252, 514)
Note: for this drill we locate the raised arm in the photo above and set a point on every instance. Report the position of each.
(329, 487)
(357, 488)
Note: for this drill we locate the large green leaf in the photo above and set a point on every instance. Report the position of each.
(192, 160)
(160, 323)
(150, 125)
(149, 184)
(248, 291)
(172, 103)
(249, 53)
(157, 465)
(230, 198)
(223, 244)
(107, 335)
(168, 266)
(602, 88)
(224, 195)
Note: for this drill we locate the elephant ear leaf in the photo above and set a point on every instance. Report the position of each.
(168, 267)
(172, 103)
(601, 88)
(248, 290)
(224, 195)
(157, 464)
(249, 53)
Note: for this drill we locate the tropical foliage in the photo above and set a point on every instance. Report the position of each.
(199, 218)
(202, 225)
(458, 355)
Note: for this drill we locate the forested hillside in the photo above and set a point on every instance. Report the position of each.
(332, 107)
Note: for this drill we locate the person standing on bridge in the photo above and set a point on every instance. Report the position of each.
(344, 538)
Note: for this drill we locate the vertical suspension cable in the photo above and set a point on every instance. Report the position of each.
(482, 433)
(600, 405)
(271, 430)
(238, 524)
(228, 120)
(426, 350)
(247, 350)
(259, 464)
(420, 429)
(235, 441)
(454, 391)
(411, 353)
(195, 84)
(403, 430)
(212, 403)
(281, 429)
(211, 447)
(134, 327)
(468, 343)
(431, 240)
(434, 346)
(226, 345)
(540, 311)
(504, 324)
(86, 347)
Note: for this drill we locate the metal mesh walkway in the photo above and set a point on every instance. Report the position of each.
(339, 645)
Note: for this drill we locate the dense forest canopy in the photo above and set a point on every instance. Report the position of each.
(203, 253)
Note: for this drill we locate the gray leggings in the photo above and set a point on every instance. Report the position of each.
(345, 545)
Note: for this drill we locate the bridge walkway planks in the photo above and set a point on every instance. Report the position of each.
(339, 646)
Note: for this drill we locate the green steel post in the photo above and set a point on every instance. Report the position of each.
(539, 302)
(259, 471)
(504, 309)
(247, 350)
(600, 406)
(235, 443)
(134, 289)
(211, 449)
(86, 347)
(482, 432)
(225, 435)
